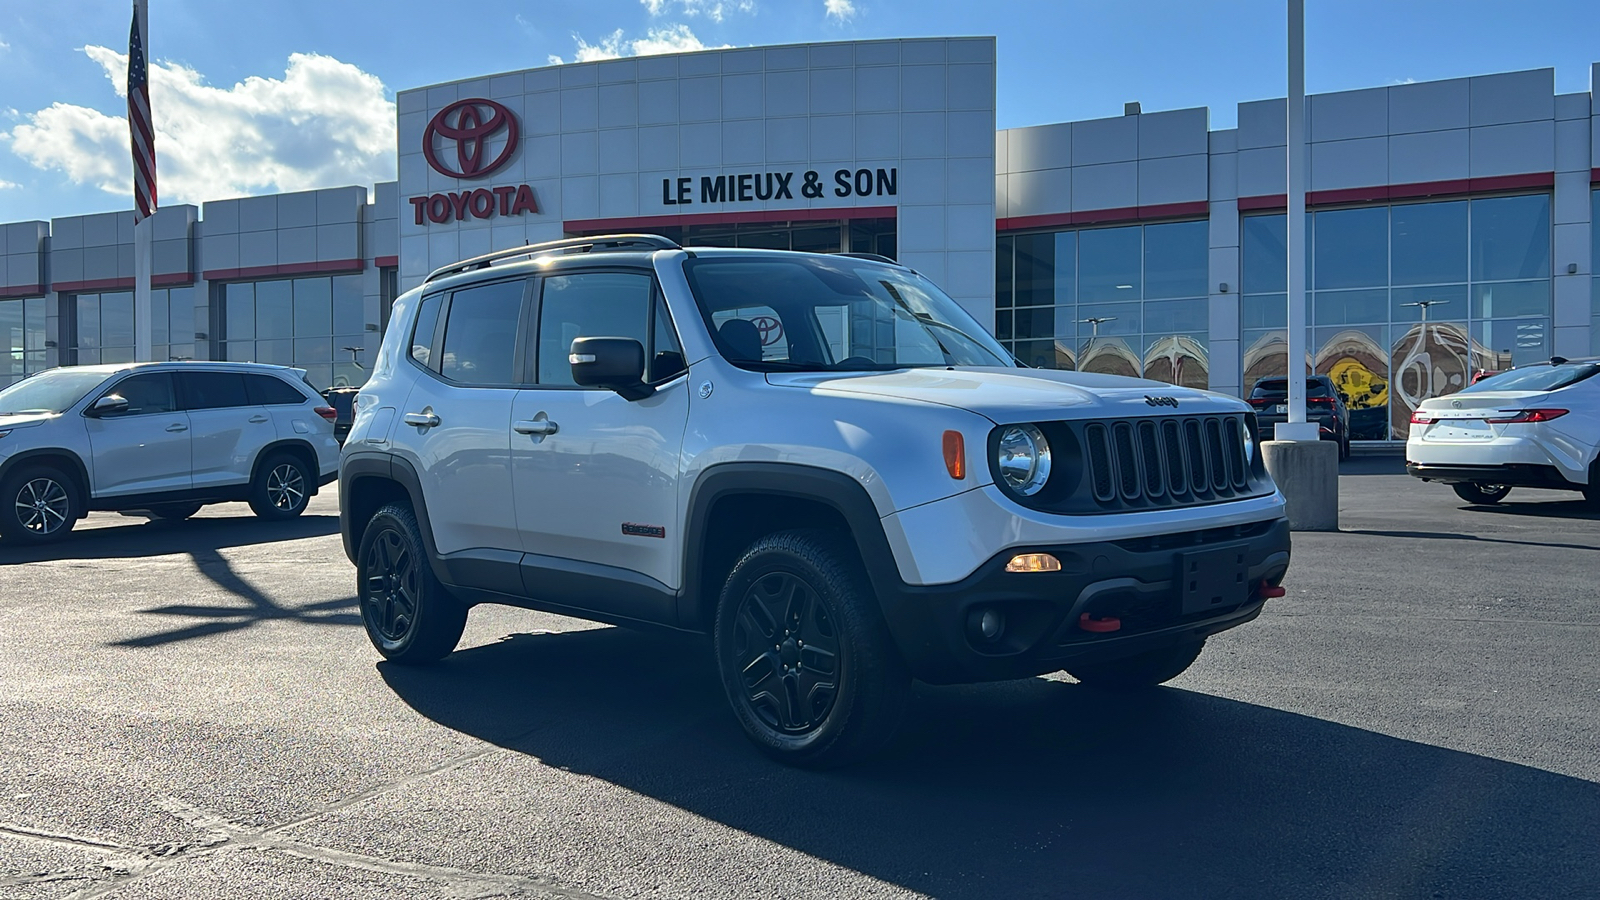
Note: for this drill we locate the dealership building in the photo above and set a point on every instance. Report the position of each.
(1450, 222)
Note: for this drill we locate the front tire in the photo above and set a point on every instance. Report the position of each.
(282, 487)
(1484, 494)
(38, 504)
(1142, 671)
(805, 657)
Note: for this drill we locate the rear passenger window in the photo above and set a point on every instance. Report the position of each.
(264, 390)
(480, 334)
(212, 390)
(422, 335)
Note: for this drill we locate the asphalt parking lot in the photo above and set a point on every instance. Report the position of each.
(192, 710)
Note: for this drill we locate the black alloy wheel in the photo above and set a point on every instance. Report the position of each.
(788, 653)
(805, 658)
(38, 504)
(1481, 493)
(408, 614)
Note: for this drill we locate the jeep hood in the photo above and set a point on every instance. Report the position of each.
(1019, 395)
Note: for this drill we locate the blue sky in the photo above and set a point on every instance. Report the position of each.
(292, 94)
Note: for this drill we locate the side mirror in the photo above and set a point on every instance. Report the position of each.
(613, 363)
(110, 404)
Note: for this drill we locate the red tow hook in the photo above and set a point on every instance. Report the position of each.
(1269, 592)
(1099, 625)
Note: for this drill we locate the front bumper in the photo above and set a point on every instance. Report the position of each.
(1135, 580)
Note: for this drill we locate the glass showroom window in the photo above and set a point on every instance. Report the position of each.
(1407, 301)
(103, 326)
(304, 322)
(22, 334)
(1129, 300)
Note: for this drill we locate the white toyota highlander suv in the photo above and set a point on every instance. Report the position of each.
(162, 438)
(821, 461)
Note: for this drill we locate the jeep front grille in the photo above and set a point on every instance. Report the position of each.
(1165, 462)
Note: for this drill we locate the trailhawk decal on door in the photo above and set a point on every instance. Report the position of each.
(650, 531)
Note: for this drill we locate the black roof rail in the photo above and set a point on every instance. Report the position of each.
(600, 243)
(875, 257)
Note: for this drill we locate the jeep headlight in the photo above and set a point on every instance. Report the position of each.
(1249, 436)
(1022, 457)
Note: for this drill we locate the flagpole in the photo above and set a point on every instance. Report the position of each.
(143, 225)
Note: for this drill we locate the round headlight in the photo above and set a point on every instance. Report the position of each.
(1249, 440)
(1022, 457)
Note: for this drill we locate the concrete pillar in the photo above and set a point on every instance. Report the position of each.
(1307, 473)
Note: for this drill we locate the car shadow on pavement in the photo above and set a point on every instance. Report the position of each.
(142, 538)
(1548, 509)
(1039, 788)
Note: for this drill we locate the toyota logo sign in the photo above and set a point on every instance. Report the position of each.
(470, 125)
(476, 127)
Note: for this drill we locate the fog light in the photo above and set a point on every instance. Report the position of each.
(986, 624)
(1033, 562)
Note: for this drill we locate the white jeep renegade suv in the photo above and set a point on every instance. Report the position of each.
(164, 438)
(821, 461)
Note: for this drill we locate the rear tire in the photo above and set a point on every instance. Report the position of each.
(409, 616)
(1143, 671)
(806, 660)
(282, 487)
(1483, 494)
(174, 512)
(38, 504)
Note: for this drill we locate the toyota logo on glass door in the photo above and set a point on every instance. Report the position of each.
(471, 139)
(460, 138)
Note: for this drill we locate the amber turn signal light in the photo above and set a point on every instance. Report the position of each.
(1033, 562)
(955, 455)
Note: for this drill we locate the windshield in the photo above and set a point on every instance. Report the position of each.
(811, 313)
(1536, 378)
(1269, 387)
(49, 392)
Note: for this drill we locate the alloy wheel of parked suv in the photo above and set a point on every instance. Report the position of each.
(409, 617)
(39, 505)
(805, 658)
(282, 488)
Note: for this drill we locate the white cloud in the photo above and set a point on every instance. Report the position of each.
(715, 10)
(8, 185)
(840, 10)
(1402, 81)
(671, 39)
(324, 123)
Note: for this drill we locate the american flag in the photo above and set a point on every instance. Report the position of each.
(139, 126)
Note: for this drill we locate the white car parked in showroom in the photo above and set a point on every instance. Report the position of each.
(161, 438)
(1534, 426)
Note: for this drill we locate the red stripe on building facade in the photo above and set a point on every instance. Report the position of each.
(327, 267)
(755, 217)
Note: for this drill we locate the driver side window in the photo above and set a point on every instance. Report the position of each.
(146, 394)
(604, 304)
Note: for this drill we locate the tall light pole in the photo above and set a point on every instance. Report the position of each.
(1297, 428)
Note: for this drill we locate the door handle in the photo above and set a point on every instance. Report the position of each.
(538, 426)
(176, 427)
(421, 419)
(257, 420)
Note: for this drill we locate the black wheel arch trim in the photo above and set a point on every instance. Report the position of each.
(358, 466)
(698, 599)
(76, 469)
(296, 446)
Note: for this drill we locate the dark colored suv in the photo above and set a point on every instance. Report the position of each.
(1324, 406)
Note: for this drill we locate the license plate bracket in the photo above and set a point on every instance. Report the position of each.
(1213, 579)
